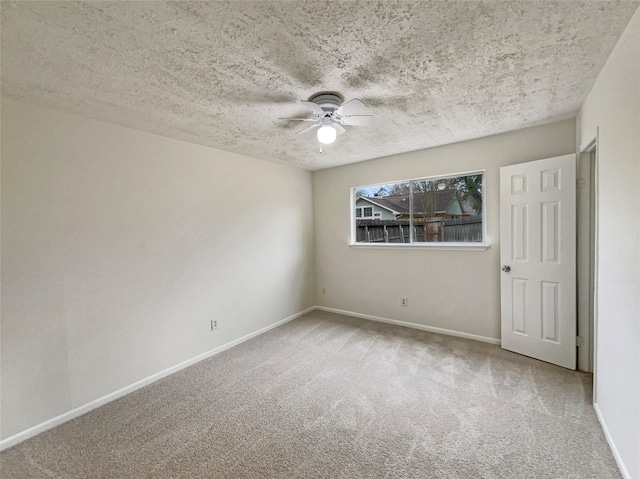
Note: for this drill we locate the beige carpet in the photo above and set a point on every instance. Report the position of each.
(328, 396)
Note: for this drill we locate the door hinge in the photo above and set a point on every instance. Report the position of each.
(579, 342)
(580, 182)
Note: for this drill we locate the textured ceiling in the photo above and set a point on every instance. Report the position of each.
(222, 73)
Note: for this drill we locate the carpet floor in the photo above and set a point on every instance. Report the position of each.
(330, 396)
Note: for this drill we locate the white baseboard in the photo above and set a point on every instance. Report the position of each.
(79, 411)
(406, 324)
(612, 446)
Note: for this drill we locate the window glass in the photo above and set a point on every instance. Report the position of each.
(426, 210)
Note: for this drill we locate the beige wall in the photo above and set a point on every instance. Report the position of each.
(453, 290)
(612, 111)
(119, 246)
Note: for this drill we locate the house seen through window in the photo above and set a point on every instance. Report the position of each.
(427, 210)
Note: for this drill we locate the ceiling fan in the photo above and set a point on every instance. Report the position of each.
(330, 113)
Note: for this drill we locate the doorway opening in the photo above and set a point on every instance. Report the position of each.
(587, 190)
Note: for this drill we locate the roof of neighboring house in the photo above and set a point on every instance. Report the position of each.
(399, 204)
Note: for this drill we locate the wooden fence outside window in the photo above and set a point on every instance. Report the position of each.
(435, 230)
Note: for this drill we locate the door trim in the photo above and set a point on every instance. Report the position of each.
(587, 150)
(585, 228)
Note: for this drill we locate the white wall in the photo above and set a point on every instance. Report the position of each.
(454, 290)
(613, 110)
(119, 246)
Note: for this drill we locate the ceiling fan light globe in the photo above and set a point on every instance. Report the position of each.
(327, 134)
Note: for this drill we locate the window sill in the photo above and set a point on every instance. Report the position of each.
(431, 246)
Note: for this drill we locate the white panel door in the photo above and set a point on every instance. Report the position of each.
(538, 254)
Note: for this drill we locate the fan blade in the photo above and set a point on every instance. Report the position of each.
(299, 119)
(353, 107)
(339, 129)
(313, 107)
(356, 120)
(309, 128)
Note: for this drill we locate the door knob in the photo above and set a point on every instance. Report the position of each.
(506, 268)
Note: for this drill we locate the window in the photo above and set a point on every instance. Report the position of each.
(446, 209)
(366, 212)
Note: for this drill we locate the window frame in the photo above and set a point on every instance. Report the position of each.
(468, 246)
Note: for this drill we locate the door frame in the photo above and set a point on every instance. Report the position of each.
(587, 260)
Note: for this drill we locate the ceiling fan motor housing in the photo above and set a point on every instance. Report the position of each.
(328, 101)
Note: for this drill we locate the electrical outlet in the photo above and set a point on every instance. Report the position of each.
(324, 291)
(214, 324)
(403, 302)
